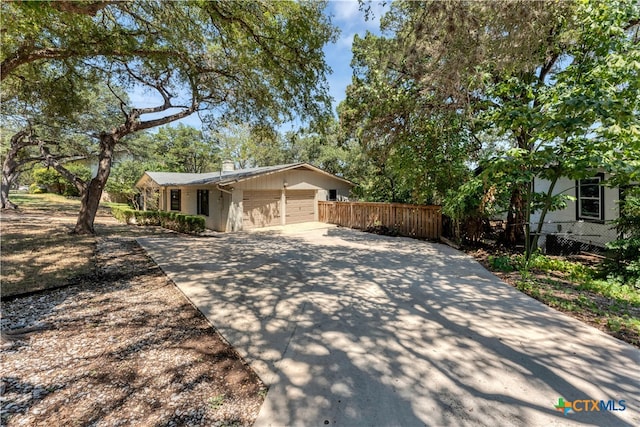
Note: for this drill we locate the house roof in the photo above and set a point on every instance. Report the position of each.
(177, 178)
(225, 178)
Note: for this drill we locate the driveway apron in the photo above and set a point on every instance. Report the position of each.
(354, 329)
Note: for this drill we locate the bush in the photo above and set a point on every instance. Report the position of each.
(190, 224)
(502, 263)
(50, 179)
(37, 189)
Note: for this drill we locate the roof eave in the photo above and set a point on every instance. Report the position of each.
(224, 183)
(145, 177)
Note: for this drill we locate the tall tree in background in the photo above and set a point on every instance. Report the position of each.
(557, 81)
(185, 149)
(258, 61)
(415, 145)
(248, 146)
(323, 146)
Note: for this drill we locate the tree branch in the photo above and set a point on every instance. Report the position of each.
(546, 68)
(167, 119)
(53, 161)
(88, 8)
(24, 55)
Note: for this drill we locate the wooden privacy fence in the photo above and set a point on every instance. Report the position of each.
(407, 220)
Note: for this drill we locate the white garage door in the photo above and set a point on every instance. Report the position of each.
(300, 206)
(260, 209)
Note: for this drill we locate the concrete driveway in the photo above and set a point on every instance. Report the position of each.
(353, 329)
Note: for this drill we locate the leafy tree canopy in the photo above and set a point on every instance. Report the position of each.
(557, 81)
(260, 62)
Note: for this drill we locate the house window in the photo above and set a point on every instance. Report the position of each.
(590, 203)
(203, 202)
(333, 195)
(176, 196)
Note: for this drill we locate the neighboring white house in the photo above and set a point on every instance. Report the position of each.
(233, 200)
(587, 220)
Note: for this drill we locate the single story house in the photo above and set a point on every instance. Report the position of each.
(233, 200)
(586, 223)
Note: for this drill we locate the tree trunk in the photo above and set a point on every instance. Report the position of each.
(514, 233)
(10, 166)
(517, 216)
(93, 192)
(7, 179)
(543, 214)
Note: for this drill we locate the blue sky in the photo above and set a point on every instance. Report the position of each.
(346, 15)
(351, 21)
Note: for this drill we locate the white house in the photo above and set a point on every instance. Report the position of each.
(586, 222)
(233, 200)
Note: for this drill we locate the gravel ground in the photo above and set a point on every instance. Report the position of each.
(122, 347)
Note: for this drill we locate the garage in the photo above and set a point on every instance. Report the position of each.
(245, 199)
(261, 209)
(300, 206)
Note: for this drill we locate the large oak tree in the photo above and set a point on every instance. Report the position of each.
(255, 61)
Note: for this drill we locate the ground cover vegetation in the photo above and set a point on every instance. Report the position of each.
(579, 286)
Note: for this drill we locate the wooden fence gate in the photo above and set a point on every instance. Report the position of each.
(407, 220)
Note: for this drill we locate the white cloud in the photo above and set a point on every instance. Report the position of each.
(346, 10)
(346, 41)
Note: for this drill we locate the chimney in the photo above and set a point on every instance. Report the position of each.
(227, 166)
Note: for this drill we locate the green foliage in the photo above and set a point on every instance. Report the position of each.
(259, 62)
(322, 146)
(411, 150)
(585, 277)
(613, 288)
(501, 263)
(37, 189)
(184, 149)
(216, 402)
(124, 176)
(82, 172)
(625, 251)
(189, 224)
(563, 93)
(50, 179)
(576, 271)
(249, 146)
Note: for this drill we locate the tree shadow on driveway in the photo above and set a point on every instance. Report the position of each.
(350, 328)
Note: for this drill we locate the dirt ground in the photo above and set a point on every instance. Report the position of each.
(120, 346)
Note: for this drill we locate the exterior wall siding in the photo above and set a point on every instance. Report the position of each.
(235, 215)
(218, 204)
(297, 180)
(564, 221)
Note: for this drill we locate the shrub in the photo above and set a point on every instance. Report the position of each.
(501, 263)
(50, 179)
(190, 224)
(37, 189)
